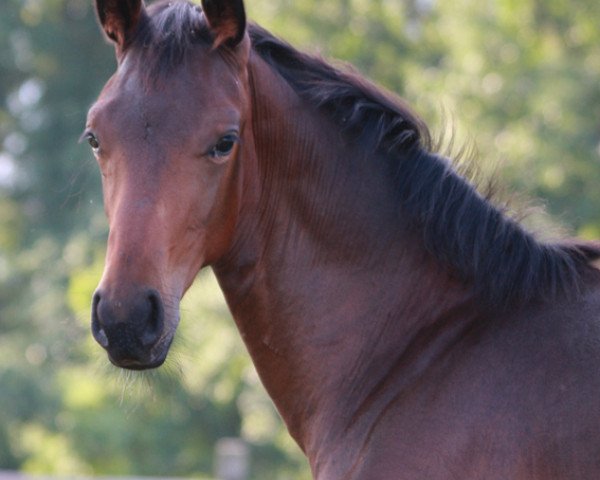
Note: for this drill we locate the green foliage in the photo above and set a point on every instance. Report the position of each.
(521, 78)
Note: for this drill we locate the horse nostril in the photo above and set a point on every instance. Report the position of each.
(97, 331)
(100, 337)
(155, 321)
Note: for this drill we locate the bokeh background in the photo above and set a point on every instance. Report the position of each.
(517, 79)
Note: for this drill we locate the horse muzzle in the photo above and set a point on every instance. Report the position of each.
(131, 328)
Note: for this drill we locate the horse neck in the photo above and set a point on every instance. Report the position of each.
(329, 290)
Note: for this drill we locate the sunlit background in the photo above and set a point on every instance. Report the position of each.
(517, 81)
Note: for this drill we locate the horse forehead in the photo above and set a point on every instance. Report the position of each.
(136, 94)
(180, 98)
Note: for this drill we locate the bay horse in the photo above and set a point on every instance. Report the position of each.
(404, 326)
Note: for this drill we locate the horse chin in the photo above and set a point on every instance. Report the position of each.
(154, 359)
(130, 364)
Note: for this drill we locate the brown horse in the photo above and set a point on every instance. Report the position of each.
(404, 326)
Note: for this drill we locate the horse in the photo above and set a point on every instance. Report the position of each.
(404, 326)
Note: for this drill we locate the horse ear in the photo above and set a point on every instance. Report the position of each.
(227, 20)
(119, 18)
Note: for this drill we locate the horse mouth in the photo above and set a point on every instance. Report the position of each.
(133, 364)
(153, 359)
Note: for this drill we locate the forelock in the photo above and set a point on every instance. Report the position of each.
(167, 34)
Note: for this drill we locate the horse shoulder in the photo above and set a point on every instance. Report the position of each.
(516, 401)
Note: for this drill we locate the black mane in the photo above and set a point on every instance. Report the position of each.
(461, 228)
(166, 36)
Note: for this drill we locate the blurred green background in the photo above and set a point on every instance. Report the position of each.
(518, 79)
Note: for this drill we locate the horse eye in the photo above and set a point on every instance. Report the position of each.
(224, 146)
(93, 141)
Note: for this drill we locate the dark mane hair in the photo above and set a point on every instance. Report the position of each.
(166, 36)
(460, 227)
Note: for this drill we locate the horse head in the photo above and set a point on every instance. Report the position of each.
(167, 131)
